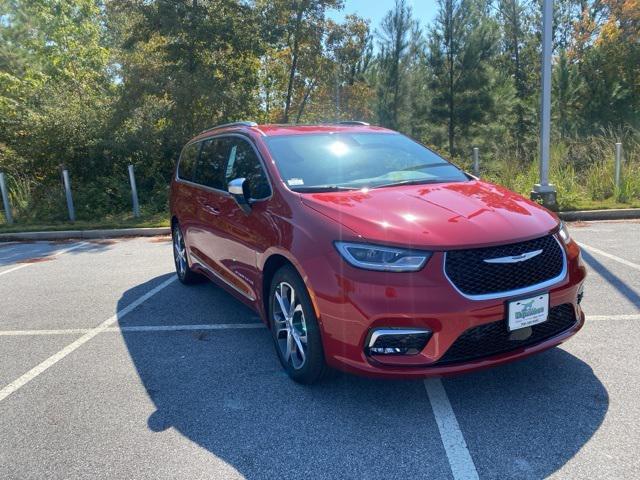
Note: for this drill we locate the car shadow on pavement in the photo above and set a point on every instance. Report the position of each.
(620, 285)
(225, 391)
(528, 418)
(34, 252)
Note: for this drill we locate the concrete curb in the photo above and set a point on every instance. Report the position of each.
(613, 214)
(85, 234)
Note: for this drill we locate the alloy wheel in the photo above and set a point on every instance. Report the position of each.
(290, 325)
(179, 252)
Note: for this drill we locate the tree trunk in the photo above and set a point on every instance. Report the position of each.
(294, 61)
(303, 104)
(520, 94)
(450, 55)
(396, 79)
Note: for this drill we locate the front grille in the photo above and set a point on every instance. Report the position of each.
(493, 338)
(468, 271)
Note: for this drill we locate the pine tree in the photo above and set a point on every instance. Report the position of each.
(394, 43)
(461, 46)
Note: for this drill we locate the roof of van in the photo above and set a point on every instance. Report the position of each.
(273, 129)
(276, 129)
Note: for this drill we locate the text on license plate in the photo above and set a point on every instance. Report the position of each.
(528, 311)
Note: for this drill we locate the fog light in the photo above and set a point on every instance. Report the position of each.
(396, 341)
(580, 294)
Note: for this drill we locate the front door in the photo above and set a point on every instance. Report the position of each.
(247, 233)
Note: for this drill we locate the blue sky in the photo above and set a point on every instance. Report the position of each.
(423, 10)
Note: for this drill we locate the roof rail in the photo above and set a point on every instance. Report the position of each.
(353, 122)
(242, 123)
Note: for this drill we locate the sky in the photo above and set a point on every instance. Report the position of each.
(423, 10)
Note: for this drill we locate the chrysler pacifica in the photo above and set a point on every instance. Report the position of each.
(365, 251)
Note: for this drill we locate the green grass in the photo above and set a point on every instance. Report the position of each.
(608, 204)
(119, 221)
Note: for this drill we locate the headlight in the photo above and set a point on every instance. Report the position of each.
(386, 259)
(564, 233)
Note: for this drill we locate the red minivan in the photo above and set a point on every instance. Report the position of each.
(365, 251)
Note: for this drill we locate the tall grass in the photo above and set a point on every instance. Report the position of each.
(582, 169)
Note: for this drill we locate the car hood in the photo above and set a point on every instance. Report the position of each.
(437, 216)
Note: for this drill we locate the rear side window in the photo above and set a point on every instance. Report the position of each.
(187, 163)
(211, 165)
(244, 163)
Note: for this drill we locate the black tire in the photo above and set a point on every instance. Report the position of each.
(183, 271)
(313, 368)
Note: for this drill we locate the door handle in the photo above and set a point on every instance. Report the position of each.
(206, 207)
(211, 210)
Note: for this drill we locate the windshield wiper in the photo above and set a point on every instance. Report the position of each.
(322, 188)
(424, 165)
(410, 182)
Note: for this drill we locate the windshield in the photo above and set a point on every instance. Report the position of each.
(317, 162)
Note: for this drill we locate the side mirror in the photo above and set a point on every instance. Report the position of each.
(239, 190)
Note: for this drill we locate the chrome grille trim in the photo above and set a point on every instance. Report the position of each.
(519, 291)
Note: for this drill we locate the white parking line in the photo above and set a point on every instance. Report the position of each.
(613, 317)
(134, 328)
(215, 326)
(460, 461)
(608, 255)
(15, 268)
(55, 254)
(56, 357)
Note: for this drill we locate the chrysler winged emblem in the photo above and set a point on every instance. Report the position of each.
(515, 258)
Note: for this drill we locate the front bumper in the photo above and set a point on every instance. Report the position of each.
(361, 301)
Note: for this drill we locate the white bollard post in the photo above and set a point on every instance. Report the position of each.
(134, 192)
(67, 190)
(476, 161)
(5, 200)
(618, 163)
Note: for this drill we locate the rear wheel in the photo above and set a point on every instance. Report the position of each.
(185, 274)
(294, 327)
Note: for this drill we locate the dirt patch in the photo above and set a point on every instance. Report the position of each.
(104, 241)
(579, 224)
(36, 260)
(590, 223)
(202, 336)
(160, 239)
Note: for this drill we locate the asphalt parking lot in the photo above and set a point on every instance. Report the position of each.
(111, 368)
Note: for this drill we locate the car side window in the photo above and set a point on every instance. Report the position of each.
(244, 163)
(187, 163)
(212, 162)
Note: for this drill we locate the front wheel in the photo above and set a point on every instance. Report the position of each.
(294, 327)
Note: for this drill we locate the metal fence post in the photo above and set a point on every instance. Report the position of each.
(67, 190)
(618, 163)
(5, 200)
(476, 161)
(134, 192)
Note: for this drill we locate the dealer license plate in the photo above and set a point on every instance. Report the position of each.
(528, 311)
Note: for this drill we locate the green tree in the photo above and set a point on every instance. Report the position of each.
(519, 59)
(461, 47)
(392, 63)
(297, 27)
(54, 91)
(349, 48)
(567, 94)
(182, 66)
